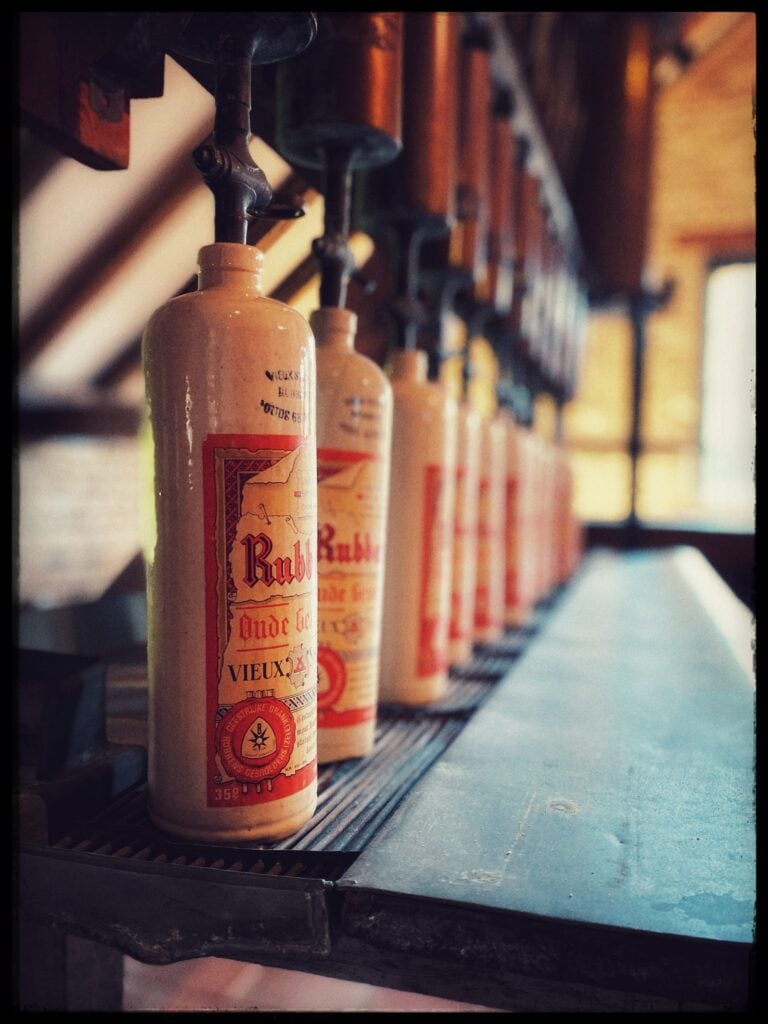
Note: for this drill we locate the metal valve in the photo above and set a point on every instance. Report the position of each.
(235, 41)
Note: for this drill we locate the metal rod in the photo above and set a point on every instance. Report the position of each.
(638, 312)
(407, 308)
(332, 250)
(240, 188)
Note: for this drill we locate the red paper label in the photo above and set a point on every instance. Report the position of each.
(488, 614)
(261, 617)
(510, 573)
(350, 545)
(434, 609)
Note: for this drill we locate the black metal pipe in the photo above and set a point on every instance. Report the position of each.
(407, 307)
(332, 251)
(638, 313)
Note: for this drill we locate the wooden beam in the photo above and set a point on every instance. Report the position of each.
(111, 420)
(721, 243)
(79, 72)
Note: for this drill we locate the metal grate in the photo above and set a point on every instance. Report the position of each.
(108, 839)
(355, 797)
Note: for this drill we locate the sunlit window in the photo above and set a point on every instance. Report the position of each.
(698, 423)
(726, 465)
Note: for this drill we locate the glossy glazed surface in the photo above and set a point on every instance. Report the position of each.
(414, 665)
(230, 381)
(354, 435)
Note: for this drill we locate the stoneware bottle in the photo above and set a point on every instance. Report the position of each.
(230, 382)
(465, 523)
(513, 533)
(521, 586)
(563, 502)
(354, 434)
(545, 519)
(464, 570)
(417, 597)
(491, 546)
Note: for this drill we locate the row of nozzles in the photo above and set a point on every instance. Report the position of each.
(418, 105)
(313, 511)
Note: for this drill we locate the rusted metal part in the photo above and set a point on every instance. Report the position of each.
(240, 188)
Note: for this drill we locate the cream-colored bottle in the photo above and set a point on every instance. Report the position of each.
(548, 518)
(536, 520)
(354, 435)
(520, 590)
(417, 594)
(465, 524)
(491, 531)
(562, 514)
(566, 522)
(513, 531)
(573, 542)
(232, 589)
(461, 633)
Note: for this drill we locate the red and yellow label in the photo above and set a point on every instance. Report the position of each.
(434, 594)
(350, 551)
(261, 617)
(490, 554)
(512, 541)
(464, 557)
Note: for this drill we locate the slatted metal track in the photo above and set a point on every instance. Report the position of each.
(355, 797)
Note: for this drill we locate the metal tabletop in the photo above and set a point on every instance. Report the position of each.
(573, 828)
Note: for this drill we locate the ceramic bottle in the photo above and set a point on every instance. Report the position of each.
(354, 433)
(513, 531)
(464, 569)
(491, 546)
(417, 599)
(232, 587)
(522, 531)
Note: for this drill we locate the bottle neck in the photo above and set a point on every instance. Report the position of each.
(239, 279)
(410, 364)
(334, 328)
(229, 264)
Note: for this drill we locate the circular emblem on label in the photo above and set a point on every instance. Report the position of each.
(331, 677)
(255, 739)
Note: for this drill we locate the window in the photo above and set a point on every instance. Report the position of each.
(727, 435)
